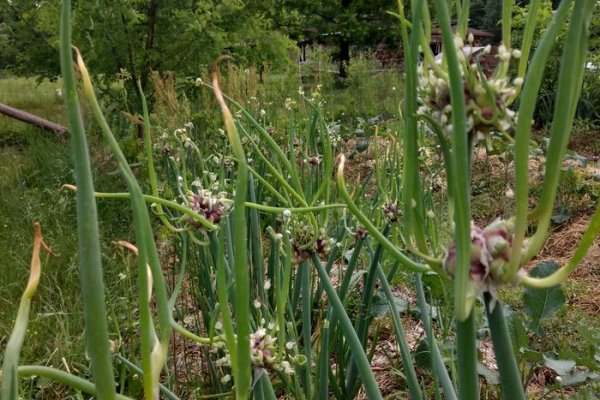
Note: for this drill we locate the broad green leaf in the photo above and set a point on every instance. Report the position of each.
(517, 333)
(569, 373)
(542, 303)
(381, 306)
(491, 377)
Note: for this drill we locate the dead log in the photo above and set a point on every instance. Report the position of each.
(31, 119)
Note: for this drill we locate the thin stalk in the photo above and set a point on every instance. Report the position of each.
(90, 264)
(563, 273)
(65, 378)
(527, 104)
(223, 297)
(10, 384)
(463, 18)
(364, 220)
(439, 366)
(507, 9)
(461, 185)
(150, 158)
(364, 317)
(532, 12)
(567, 94)
(409, 370)
(255, 242)
(510, 378)
(168, 394)
(243, 379)
(368, 379)
(305, 285)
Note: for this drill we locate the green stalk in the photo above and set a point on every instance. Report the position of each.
(528, 101)
(154, 350)
(222, 295)
(507, 9)
(532, 12)
(90, 264)
(150, 159)
(563, 273)
(363, 318)
(409, 369)
(243, 379)
(466, 353)
(463, 18)
(168, 394)
(255, 242)
(438, 361)
(364, 367)
(510, 379)
(305, 285)
(461, 185)
(413, 197)
(65, 378)
(364, 220)
(567, 94)
(324, 360)
(10, 383)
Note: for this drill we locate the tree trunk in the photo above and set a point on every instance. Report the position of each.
(344, 57)
(31, 119)
(344, 45)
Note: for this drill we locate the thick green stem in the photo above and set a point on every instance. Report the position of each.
(510, 379)
(466, 353)
(90, 265)
(461, 173)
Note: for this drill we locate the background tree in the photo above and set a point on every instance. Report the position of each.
(342, 23)
(135, 37)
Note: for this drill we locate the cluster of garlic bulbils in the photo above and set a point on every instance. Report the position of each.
(263, 352)
(208, 205)
(488, 99)
(490, 253)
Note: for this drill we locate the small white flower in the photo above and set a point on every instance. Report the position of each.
(518, 81)
(470, 37)
(516, 53)
(509, 193)
(290, 345)
(287, 214)
(218, 325)
(267, 284)
(226, 378)
(256, 303)
(286, 368)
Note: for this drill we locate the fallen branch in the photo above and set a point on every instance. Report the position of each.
(31, 119)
